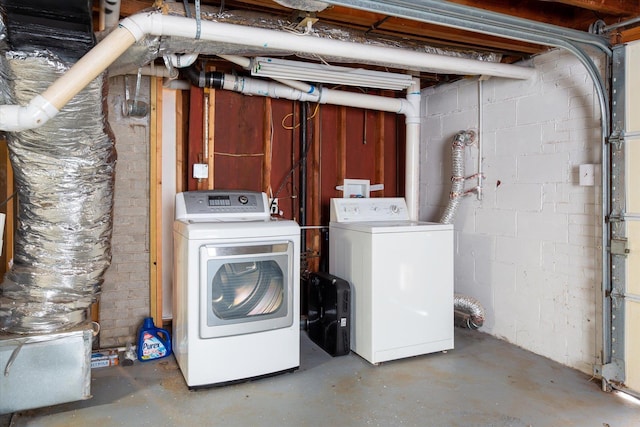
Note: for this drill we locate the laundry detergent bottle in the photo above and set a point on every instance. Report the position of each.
(153, 343)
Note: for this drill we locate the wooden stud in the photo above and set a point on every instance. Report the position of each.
(9, 223)
(194, 140)
(155, 202)
(267, 133)
(211, 139)
(341, 149)
(181, 162)
(315, 203)
(379, 150)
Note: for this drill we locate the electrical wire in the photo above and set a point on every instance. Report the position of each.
(8, 199)
(296, 126)
(220, 153)
(295, 166)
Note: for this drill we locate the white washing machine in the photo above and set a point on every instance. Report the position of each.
(236, 288)
(401, 275)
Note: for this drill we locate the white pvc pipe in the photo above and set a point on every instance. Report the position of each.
(109, 14)
(238, 60)
(250, 86)
(112, 19)
(412, 155)
(361, 100)
(182, 61)
(246, 64)
(135, 27)
(159, 25)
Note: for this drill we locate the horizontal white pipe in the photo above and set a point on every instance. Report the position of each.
(249, 86)
(238, 60)
(246, 64)
(371, 102)
(158, 25)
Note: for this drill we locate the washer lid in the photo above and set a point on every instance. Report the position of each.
(392, 226)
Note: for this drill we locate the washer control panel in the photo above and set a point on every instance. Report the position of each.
(369, 209)
(220, 204)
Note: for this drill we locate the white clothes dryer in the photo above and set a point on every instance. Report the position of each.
(236, 288)
(401, 276)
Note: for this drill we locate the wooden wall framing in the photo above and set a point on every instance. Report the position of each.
(253, 143)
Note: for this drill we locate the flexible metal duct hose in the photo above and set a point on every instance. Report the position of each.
(460, 141)
(468, 311)
(64, 175)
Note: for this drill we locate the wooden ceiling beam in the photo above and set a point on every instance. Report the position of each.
(609, 7)
(626, 36)
(130, 7)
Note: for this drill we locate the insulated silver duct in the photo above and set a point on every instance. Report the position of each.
(64, 175)
(306, 5)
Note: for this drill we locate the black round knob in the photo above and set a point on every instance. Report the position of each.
(243, 200)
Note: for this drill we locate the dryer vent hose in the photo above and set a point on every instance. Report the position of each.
(460, 141)
(468, 312)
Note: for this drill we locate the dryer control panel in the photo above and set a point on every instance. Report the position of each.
(369, 209)
(221, 204)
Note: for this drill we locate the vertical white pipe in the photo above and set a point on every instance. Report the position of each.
(109, 14)
(412, 158)
(479, 136)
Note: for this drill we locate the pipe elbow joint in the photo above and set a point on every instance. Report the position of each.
(141, 24)
(16, 118)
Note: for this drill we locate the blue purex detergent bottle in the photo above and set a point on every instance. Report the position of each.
(153, 343)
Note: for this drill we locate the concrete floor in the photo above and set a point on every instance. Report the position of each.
(483, 382)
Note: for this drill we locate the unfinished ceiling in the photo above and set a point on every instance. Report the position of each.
(582, 15)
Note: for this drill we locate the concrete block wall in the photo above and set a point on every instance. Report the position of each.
(125, 293)
(529, 250)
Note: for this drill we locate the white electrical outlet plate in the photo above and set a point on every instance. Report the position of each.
(200, 170)
(587, 175)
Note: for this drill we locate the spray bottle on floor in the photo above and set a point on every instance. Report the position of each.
(153, 343)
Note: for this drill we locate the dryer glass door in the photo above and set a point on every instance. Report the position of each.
(246, 288)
